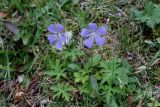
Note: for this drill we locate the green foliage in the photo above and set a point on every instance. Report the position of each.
(111, 77)
(93, 61)
(149, 15)
(74, 66)
(56, 70)
(62, 90)
(94, 86)
(96, 78)
(115, 71)
(115, 74)
(70, 75)
(73, 54)
(81, 77)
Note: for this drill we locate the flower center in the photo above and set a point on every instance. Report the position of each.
(93, 34)
(58, 35)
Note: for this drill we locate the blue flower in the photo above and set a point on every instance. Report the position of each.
(57, 35)
(93, 33)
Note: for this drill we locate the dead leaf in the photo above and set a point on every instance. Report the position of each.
(29, 103)
(3, 14)
(11, 27)
(9, 85)
(33, 82)
(22, 104)
(75, 92)
(19, 96)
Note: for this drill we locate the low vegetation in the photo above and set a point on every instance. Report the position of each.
(79, 53)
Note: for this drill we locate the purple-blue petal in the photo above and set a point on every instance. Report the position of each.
(59, 28)
(92, 26)
(63, 38)
(89, 42)
(84, 32)
(102, 30)
(100, 40)
(51, 28)
(59, 45)
(51, 39)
